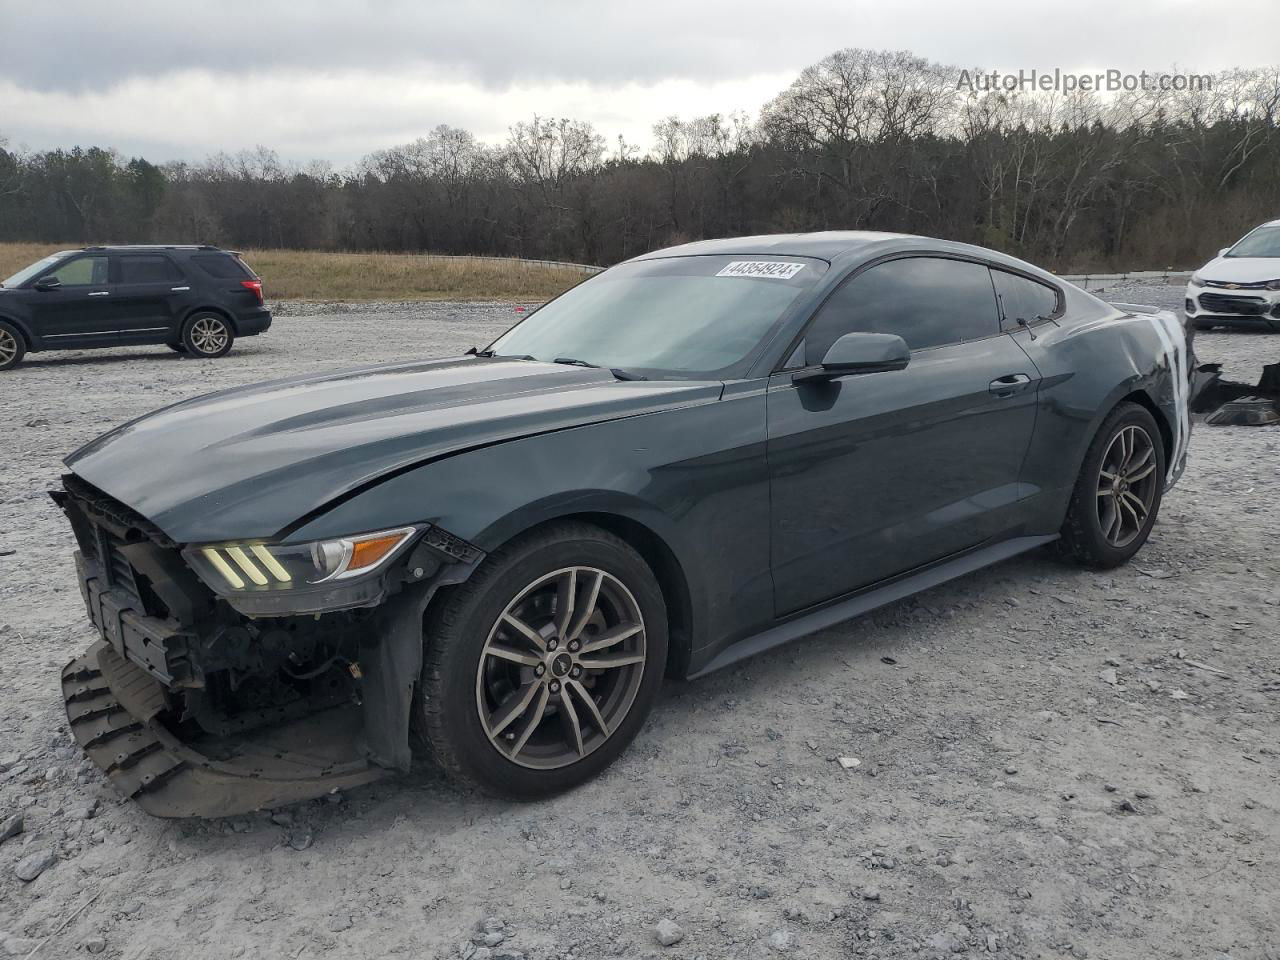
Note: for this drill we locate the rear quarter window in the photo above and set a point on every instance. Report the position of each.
(1023, 299)
(223, 266)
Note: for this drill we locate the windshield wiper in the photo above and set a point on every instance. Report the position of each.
(625, 375)
(490, 355)
(616, 371)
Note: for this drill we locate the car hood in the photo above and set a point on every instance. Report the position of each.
(1241, 269)
(249, 462)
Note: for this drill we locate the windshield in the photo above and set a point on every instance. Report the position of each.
(682, 316)
(28, 273)
(1263, 242)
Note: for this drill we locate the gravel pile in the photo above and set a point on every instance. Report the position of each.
(1050, 762)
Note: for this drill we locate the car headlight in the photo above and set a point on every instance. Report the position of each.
(1197, 280)
(256, 567)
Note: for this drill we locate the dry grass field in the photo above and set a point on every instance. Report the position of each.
(314, 275)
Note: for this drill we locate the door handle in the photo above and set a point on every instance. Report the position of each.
(1009, 385)
(179, 289)
(100, 293)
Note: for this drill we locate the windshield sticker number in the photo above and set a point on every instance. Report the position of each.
(766, 269)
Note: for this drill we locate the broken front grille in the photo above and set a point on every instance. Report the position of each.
(107, 531)
(1242, 306)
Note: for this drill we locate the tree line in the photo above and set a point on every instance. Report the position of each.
(864, 139)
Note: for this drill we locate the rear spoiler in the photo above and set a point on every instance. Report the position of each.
(1138, 308)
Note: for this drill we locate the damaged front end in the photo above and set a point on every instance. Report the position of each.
(199, 702)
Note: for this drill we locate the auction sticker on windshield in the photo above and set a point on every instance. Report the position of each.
(768, 269)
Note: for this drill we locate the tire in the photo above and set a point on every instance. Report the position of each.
(13, 346)
(1116, 498)
(207, 335)
(534, 752)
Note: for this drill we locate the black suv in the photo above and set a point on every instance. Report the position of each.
(196, 299)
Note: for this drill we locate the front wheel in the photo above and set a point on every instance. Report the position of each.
(207, 335)
(1118, 493)
(540, 670)
(12, 346)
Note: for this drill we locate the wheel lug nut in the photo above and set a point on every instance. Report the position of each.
(539, 670)
(555, 686)
(573, 646)
(552, 643)
(577, 671)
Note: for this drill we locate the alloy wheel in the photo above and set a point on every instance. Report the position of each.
(209, 334)
(561, 668)
(8, 347)
(1127, 485)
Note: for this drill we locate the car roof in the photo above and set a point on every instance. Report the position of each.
(146, 247)
(843, 245)
(824, 244)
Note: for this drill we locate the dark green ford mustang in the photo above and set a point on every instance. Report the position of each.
(493, 560)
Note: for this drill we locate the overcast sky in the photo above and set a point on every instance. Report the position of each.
(335, 79)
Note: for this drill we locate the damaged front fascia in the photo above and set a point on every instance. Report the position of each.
(391, 662)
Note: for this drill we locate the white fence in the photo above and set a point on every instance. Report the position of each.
(1103, 279)
(584, 267)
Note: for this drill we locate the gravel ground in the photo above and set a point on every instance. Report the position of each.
(1053, 763)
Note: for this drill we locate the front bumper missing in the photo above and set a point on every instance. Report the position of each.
(113, 708)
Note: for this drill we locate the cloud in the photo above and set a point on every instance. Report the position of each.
(340, 115)
(337, 78)
(498, 43)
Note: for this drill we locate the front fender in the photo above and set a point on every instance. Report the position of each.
(694, 477)
(33, 342)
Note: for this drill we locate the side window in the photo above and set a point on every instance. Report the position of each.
(222, 266)
(81, 272)
(928, 301)
(1023, 299)
(153, 268)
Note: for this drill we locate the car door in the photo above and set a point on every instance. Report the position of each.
(873, 475)
(146, 291)
(73, 310)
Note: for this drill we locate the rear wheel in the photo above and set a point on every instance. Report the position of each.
(207, 335)
(1117, 495)
(540, 670)
(13, 347)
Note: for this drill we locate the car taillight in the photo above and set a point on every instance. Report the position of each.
(255, 286)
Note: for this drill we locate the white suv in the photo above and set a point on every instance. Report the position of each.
(1241, 286)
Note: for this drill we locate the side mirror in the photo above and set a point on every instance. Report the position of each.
(861, 353)
(45, 284)
(1223, 251)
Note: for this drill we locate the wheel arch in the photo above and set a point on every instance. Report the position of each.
(671, 578)
(653, 548)
(220, 311)
(18, 325)
(1132, 391)
(1143, 399)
